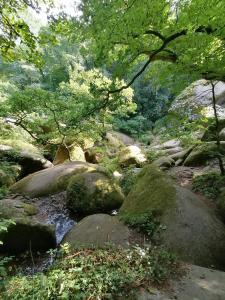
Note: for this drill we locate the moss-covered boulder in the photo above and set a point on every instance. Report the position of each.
(131, 155)
(93, 192)
(153, 191)
(29, 158)
(119, 139)
(28, 232)
(51, 180)
(193, 230)
(164, 162)
(203, 153)
(99, 230)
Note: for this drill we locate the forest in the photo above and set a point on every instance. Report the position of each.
(112, 149)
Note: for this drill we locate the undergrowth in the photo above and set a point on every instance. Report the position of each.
(145, 223)
(209, 184)
(94, 274)
(128, 180)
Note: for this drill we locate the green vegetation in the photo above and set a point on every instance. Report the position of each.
(209, 184)
(145, 223)
(128, 180)
(139, 201)
(112, 66)
(4, 224)
(8, 175)
(95, 274)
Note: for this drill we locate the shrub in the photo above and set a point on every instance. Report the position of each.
(95, 274)
(209, 184)
(145, 223)
(153, 155)
(128, 181)
(133, 126)
(3, 191)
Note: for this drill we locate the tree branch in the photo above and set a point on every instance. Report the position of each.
(152, 57)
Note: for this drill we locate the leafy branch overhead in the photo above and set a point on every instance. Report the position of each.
(189, 34)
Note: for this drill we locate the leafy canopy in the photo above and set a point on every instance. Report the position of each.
(188, 34)
(76, 105)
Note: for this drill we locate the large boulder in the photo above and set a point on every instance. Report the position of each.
(131, 155)
(93, 192)
(197, 283)
(51, 180)
(203, 153)
(31, 163)
(197, 98)
(118, 139)
(28, 232)
(170, 147)
(222, 134)
(99, 230)
(171, 144)
(29, 158)
(192, 229)
(164, 162)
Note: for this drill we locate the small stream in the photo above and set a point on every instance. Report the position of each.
(52, 210)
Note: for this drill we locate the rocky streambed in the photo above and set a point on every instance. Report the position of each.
(51, 210)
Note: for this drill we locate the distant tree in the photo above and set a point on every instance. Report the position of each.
(76, 106)
(15, 32)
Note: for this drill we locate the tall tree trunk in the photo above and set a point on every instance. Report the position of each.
(217, 130)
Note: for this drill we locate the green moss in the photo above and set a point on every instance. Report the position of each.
(145, 223)
(93, 193)
(201, 153)
(153, 192)
(30, 209)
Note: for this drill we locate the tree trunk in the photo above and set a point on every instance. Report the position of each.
(217, 130)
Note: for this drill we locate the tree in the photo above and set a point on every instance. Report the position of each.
(15, 33)
(76, 106)
(217, 129)
(189, 34)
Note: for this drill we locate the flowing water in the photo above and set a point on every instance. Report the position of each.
(52, 210)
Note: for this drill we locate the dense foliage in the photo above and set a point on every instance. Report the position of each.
(117, 65)
(94, 274)
(188, 34)
(209, 184)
